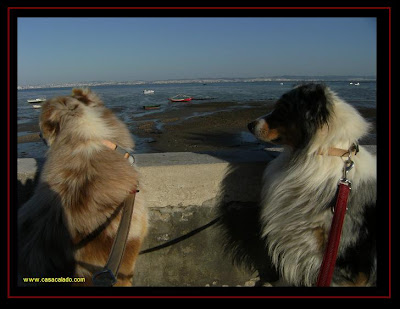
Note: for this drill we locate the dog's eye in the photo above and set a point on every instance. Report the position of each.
(279, 114)
(73, 107)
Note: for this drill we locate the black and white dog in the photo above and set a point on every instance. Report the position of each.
(318, 131)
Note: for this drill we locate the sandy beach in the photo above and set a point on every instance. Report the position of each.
(195, 127)
(212, 126)
(198, 127)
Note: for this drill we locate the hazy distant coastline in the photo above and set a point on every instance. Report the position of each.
(284, 78)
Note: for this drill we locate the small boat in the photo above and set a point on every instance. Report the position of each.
(357, 84)
(36, 106)
(181, 98)
(150, 107)
(148, 91)
(38, 100)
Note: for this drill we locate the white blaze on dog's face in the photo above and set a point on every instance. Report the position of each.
(261, 129)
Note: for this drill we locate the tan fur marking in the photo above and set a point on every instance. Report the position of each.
(360, 280)
(268, 134)
(320, 237)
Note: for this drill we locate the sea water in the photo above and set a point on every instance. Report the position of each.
(127, 101)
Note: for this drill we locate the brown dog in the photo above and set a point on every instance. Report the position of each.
(68, 227)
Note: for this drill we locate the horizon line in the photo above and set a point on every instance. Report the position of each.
(200, 79)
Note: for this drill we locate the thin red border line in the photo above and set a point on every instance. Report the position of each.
(222, 296)
(8, 158)
(8, 154)
(211, 297)
(8, 147)
(390, 156)
(203, 8)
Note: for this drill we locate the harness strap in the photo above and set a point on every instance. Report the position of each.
(96, 232)
(108, 275)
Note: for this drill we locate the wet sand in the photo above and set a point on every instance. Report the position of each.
(216, 126)
(201, 127)
(197, 127)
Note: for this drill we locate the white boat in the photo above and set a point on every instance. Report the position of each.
(148, 91)
(181, 98)
(357, 84)
(36, 106)
(38, 100)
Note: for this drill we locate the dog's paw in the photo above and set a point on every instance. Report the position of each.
(252, 282)
(257, 282)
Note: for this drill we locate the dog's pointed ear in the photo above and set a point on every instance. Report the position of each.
(317, 105)
(85, 95)
(49, 121)
(80, 92)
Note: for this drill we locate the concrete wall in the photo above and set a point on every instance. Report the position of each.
(185, 191)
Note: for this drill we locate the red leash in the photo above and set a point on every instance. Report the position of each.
(329, 261)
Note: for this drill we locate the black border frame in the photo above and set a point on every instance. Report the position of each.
(383, 15)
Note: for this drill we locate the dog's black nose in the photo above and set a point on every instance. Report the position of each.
(251, 126)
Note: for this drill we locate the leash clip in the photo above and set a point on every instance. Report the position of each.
(131, 159)
(104, 277)
(348, 166)
(127, 155)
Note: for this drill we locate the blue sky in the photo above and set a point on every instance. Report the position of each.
(59, 50)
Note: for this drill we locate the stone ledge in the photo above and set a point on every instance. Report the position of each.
(182, 191)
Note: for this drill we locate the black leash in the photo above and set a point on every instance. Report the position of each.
(181, 238)
(105, 277)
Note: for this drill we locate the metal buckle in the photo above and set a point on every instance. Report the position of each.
(356, 148)
(345, 182)
(131, 159)
(348, 166)
(104, 277)
(123, 151)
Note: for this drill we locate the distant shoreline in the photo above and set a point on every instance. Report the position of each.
(284, 78)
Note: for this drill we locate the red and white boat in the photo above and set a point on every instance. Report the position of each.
(181, 98)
